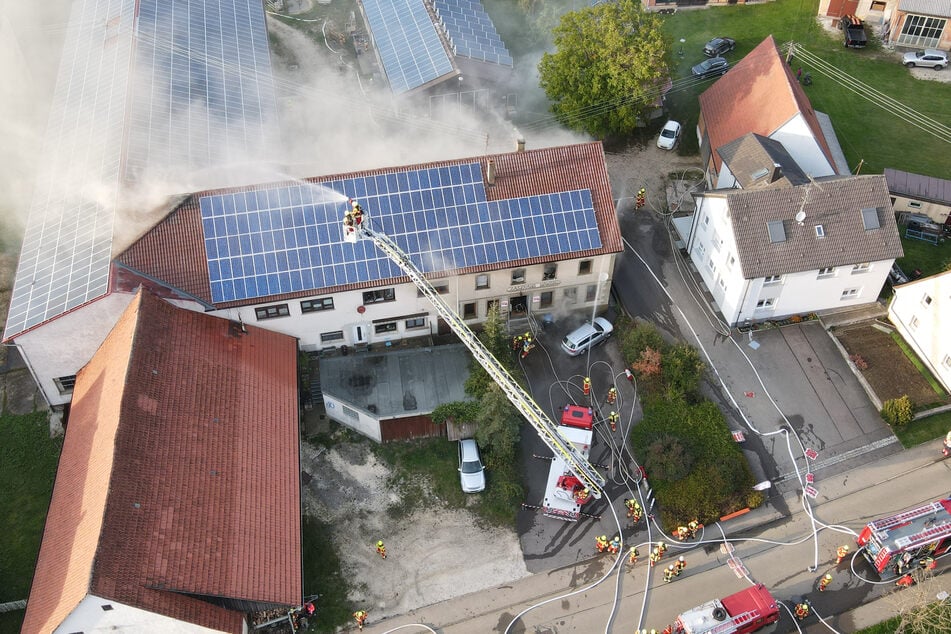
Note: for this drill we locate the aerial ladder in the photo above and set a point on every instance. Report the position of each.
(355, 227)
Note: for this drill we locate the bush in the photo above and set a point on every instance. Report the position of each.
(898, 412)
(668, 459)
(634, 340)
(682, 371)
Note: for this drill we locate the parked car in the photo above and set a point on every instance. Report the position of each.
(854, 30)
(587, 336)
(669, 135)
(929, 58)
(710, 67)
(471, 471)
(718, 46)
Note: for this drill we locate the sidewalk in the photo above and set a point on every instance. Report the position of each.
(872, 490)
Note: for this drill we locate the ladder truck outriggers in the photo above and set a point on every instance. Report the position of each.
(355, 227)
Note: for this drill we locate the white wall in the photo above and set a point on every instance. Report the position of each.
(938, 213)
(712, 249)
(89, 617)
(797, 137)
(924, 323)
(64, 345)
(362, 423)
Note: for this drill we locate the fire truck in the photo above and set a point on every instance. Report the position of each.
(894, 544)
(565, 494)
(745, 611)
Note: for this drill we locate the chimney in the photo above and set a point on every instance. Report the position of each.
(490, 172)
(520, 145)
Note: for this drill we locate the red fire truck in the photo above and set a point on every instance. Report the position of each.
(565, 494)
(894, 544)
(746, 611)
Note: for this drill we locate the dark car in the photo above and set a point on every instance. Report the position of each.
(854, 30)
(710, 67)
(718, 46)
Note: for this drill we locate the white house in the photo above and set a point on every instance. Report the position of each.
(916, 312)
(760, 95)
(789, 249)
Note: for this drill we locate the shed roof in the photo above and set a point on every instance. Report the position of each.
(758, 161)
(836, 204)
(925, 188)
(758, 95)
(179, 475)
(938, 8)
(174, 250)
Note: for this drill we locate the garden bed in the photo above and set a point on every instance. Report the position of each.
(889, 372)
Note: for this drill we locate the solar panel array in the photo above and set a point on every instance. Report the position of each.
(204, 91)
(407, 41)
(472, 31)
(289, 238)
(201, 92)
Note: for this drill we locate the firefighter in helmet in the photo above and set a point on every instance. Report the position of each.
(841, 553)
(801, 610)
(360, 616)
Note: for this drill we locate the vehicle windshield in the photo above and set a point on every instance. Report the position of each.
(667, 133)
(598, 327)
(472, 466)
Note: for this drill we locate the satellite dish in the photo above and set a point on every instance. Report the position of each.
(800, 216)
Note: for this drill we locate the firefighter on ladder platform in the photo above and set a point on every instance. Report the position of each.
(613, 419)
(841, 553)
(586, 386)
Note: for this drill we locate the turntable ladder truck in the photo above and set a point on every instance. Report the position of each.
(526, 405)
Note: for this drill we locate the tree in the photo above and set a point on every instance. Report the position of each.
(649, 364)
(496, 341)
(498, 427)
(682, 370)
(609, 64)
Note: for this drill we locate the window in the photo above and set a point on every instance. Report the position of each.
(469, 311)
(850, 293)
(730, 261)
(442, 289)
(65, 384)
(327, 337)
(772, 280)
(551, 270)
(415, 322)
(518, 276)
(913, 324)
(946, 362)
(492, 304)
(584, 267)
(482, 281)
(914, 204)
(722, 283)
(106, 607)
(827, 271)
(380, 295)
(921, 31)
(877, 5)
(313, 305)
(590, 292)
(270, 312)
(820, 231)
(706, 220)
(861, 268)
(382, 329)
(926, 300)
(570, 295)
(711, 265)
(701, 250)
(716, 241)
(765, 304)
(546, 299)
(352, 413)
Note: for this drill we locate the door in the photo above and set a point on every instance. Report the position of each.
(518, 305)
(360, 334)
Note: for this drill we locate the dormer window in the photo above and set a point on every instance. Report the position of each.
(820, 231)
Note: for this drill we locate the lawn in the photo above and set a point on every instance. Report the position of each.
(925, 430)
(865, 131)
(28, 460)
(928, 257)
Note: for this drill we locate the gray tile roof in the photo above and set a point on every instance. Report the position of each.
(940, 8)
(836, 203)
(926, 188)
(758, 161)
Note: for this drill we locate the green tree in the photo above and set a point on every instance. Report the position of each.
(498, 427)
(609, 63)
(682, 371)
(898, 412)
(496, 341)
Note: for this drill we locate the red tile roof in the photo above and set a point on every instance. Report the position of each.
(758, 95)
(173, 251)
(179, 473)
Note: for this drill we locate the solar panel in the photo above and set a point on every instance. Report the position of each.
(288, 238)
(191, 57)
(406, 39)
(472, 31)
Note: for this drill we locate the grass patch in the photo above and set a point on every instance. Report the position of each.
(28, 458)
(930, 258)
(925, 372)
(322, 575)
(923, 430)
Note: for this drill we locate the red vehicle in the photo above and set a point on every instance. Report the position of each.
(893, 545)
(745, 611)
(564, 493)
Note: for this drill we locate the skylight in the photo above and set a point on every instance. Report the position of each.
(870, 218)
(777, 232)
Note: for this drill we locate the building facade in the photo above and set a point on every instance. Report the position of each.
(919, 311)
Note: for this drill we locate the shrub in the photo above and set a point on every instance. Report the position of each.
(859, 362)
(640, 337)
(682, 370)
(898, 412)
(668, 459)
(648, 364)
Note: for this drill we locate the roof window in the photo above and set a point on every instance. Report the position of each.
(820, 231)
(777, 232)
(870, 218)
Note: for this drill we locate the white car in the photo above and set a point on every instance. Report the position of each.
(929, 58)
(669, 135)
(471, 471)
(587, 336)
